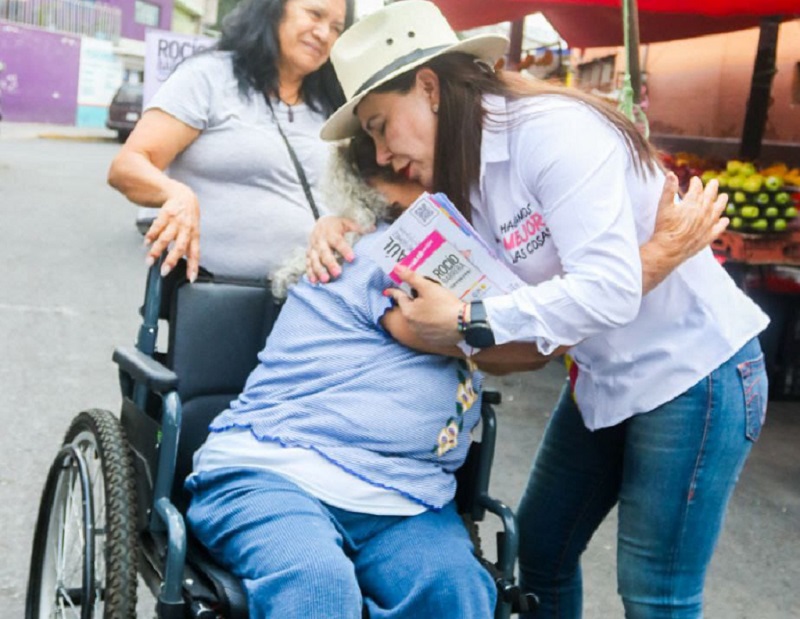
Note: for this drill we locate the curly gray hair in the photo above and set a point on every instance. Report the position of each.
(349, 196)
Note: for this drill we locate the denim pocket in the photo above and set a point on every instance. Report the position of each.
(754, 383)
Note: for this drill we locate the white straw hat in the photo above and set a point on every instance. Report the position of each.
(389, 42)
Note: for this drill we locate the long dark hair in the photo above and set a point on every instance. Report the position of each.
(462, 83)
(250, 32)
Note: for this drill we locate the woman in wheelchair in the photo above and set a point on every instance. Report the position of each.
(328, 485)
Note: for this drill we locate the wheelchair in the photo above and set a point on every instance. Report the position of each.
(113, 502)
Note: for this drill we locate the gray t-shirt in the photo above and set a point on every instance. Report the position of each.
(253, 211)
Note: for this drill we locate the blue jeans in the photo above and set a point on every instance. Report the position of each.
(300, 558)
(671, 470)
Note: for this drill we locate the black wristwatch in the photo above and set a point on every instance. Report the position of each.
(477, 332)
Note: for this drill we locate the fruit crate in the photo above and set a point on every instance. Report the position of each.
(762, 248)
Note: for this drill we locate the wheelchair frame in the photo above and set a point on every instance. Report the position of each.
(183, 578)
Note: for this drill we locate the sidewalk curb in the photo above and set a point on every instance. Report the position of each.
(76, 138)
(46, 131)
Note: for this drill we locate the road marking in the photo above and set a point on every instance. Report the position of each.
(64, 311)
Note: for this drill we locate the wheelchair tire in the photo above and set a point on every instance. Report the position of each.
(57, 586)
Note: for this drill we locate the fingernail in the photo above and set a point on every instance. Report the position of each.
(165, 269)
(349, 257)
(149, 261)
(386, 293)
(192, 277)
(146, 242)
(324, 278)
(336, 271)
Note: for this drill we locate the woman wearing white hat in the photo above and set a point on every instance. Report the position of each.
(670, 390)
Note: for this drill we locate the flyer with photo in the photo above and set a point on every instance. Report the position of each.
(432, 238)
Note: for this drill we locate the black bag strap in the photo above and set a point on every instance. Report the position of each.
(301, 173)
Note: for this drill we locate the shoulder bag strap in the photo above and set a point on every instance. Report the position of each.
(297, 165)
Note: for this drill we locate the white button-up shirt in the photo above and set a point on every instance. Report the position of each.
(565, 207)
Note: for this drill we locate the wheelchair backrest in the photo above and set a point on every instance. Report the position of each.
(216, 330)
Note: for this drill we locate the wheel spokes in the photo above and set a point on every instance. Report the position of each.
(65, 568)
(69, 542)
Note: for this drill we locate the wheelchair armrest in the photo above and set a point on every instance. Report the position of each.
(145, 370)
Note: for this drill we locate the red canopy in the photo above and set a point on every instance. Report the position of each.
(596, 23)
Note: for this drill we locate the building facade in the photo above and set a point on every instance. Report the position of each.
(696, 90)
(62, 60)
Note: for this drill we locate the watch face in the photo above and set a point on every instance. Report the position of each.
(479, 335)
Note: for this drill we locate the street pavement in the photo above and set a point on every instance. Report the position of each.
(72, 279)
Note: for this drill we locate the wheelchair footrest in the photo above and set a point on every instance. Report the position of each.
(511, 593)
(521, 602)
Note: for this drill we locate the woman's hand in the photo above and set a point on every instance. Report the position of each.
(682, 229)
(433, 313)
(691, 225)
(328, 237)
(138, 172)
(178, 222)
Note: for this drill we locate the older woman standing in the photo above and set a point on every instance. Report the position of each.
(670, 389)
(238, 129)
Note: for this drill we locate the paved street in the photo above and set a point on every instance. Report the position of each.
(72, 278)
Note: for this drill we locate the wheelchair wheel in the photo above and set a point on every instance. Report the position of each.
(83, 563)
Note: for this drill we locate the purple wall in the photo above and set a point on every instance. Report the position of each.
(40, 81)
(132, 30)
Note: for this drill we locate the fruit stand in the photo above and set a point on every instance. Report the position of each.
(761, 250)
(763, 206)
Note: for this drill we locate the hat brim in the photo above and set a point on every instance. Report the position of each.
(343, 123)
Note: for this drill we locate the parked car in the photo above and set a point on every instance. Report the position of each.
(125, 109)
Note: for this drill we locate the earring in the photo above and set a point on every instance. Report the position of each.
(435, 108)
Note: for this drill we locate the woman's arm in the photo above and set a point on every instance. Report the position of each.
(511, 357)
(682, 229)
(399, 328)
(138, 173)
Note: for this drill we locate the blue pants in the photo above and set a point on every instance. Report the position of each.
(300, 558)
(671, 470)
